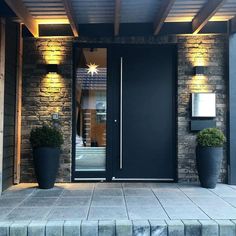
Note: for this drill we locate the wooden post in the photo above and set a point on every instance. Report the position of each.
(18, 107)
(232, 111)
(2, 84)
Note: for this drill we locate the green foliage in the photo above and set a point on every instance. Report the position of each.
(46, 136)
(211, 137)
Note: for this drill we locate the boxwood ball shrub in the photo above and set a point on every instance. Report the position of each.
(46, 136)
(211, 137)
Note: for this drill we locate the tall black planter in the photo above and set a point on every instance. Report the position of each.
(46, 162)
(208, 165)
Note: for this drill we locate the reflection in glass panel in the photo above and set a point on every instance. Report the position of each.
(91, 108)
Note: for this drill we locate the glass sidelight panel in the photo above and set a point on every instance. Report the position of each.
(91, 110)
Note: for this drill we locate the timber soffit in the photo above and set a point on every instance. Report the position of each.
(199, 12)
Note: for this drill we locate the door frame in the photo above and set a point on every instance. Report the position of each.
(91, 175)
(108, 173)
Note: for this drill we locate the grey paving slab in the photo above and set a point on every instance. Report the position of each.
(124, 228)
(170, 195)
(38, 202)
(5, 228)
(47, 193)
(107, 213)
(175, 227)
(54, 228)
(19, 228)
(108, 185)
(16, 193)
(68, 213)
(149, 212)
(192, 228)
(187, 213)
(37, 228)
(210, 201)
(89, 227)
(230, 200)
(167, 185)
(141, 201)
(226, 227)
(77, 193)
(4, 211)
(109, 192)
(158, 228)
(10, 202)
(224, 190)
(197, 192)
(220, 213)
(141, 228)
(75, 202)
(176, 202)
(106, 228)
(79, 186)
(72, 228)
(108, 201)
(209, 228)
(27, 213)
(137, 185)
(138, 192)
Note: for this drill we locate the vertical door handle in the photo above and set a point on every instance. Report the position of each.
(121, 112)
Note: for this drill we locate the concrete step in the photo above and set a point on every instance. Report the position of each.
(119, 228)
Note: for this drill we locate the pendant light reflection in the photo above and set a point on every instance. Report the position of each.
(92, 69)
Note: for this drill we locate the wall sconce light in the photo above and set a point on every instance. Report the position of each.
(199, 70)
(52, 68)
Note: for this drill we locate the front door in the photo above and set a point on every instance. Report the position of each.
(143, 91)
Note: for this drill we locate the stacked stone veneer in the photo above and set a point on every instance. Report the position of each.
(45, 94)
(42, 96)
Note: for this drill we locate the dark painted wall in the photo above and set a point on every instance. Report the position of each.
(9, 104)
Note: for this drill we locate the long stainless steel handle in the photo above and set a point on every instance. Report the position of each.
(121, 112)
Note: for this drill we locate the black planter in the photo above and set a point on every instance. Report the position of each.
(46, 163)
(208, 165)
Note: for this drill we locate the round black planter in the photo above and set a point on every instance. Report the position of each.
(46, 162)
(208, 165)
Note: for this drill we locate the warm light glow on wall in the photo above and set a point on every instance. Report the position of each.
(52, 85)
(199, 62)
(199, 84)
(198, 55)
(53, 54)
(53, 82)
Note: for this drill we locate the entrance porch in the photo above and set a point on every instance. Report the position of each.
(119, 201)
(119, 209)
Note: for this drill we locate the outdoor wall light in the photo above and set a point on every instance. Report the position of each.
(52, 68)
(199, 70)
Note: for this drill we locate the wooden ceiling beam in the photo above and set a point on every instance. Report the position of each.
(117, 17)
(205, 14)
(71, 18)
(22, 12)
(162, 13)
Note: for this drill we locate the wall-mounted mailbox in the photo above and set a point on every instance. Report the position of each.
(203, 105)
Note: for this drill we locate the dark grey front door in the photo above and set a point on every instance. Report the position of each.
(144, 117)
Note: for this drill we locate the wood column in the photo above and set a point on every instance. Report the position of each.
(2, 84)
(232, 111)
(18, 107)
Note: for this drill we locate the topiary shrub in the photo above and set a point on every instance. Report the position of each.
(211, 137)
(46, 136)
